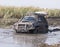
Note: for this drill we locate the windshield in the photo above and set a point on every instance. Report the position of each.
(28, 19)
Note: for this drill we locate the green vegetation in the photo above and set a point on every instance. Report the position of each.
(9, 14)
(14, 12)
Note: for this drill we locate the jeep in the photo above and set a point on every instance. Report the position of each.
(32, 23)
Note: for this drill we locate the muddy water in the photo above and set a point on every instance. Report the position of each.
(8, 38)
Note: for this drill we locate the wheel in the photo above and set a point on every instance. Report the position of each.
(36, 30)
(31, 31)
(45, 30)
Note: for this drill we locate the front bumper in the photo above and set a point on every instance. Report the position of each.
(24, 29)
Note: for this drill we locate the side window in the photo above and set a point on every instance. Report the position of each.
(42, 19)
(39, 19)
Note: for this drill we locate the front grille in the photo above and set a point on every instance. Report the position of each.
(21, 24)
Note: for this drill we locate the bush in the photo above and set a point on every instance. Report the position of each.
(17, 12)
(8, 21)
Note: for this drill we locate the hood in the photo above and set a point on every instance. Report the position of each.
(25, 23)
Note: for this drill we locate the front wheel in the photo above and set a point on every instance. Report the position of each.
(43, 30)
(36, 30)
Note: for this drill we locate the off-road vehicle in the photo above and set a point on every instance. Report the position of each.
(33, 23)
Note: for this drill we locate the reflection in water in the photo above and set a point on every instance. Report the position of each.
(53, 38)
(9, 39)
(32, 40)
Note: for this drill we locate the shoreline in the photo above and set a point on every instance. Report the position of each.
(52, 21)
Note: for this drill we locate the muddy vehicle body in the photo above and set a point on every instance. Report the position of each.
(34, 23)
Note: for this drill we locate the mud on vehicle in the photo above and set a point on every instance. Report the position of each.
(33, 23)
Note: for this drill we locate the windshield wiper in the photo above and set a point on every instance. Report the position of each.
(25, 21)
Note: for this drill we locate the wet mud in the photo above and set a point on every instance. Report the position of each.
(8, 38)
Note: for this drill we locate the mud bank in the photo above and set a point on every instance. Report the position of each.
(46, 45)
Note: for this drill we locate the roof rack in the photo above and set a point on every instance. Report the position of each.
(40, 13)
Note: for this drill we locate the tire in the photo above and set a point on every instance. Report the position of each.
(37, 30)
(31, 31)
(45, 30)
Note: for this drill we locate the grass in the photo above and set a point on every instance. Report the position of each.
(7, 22)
